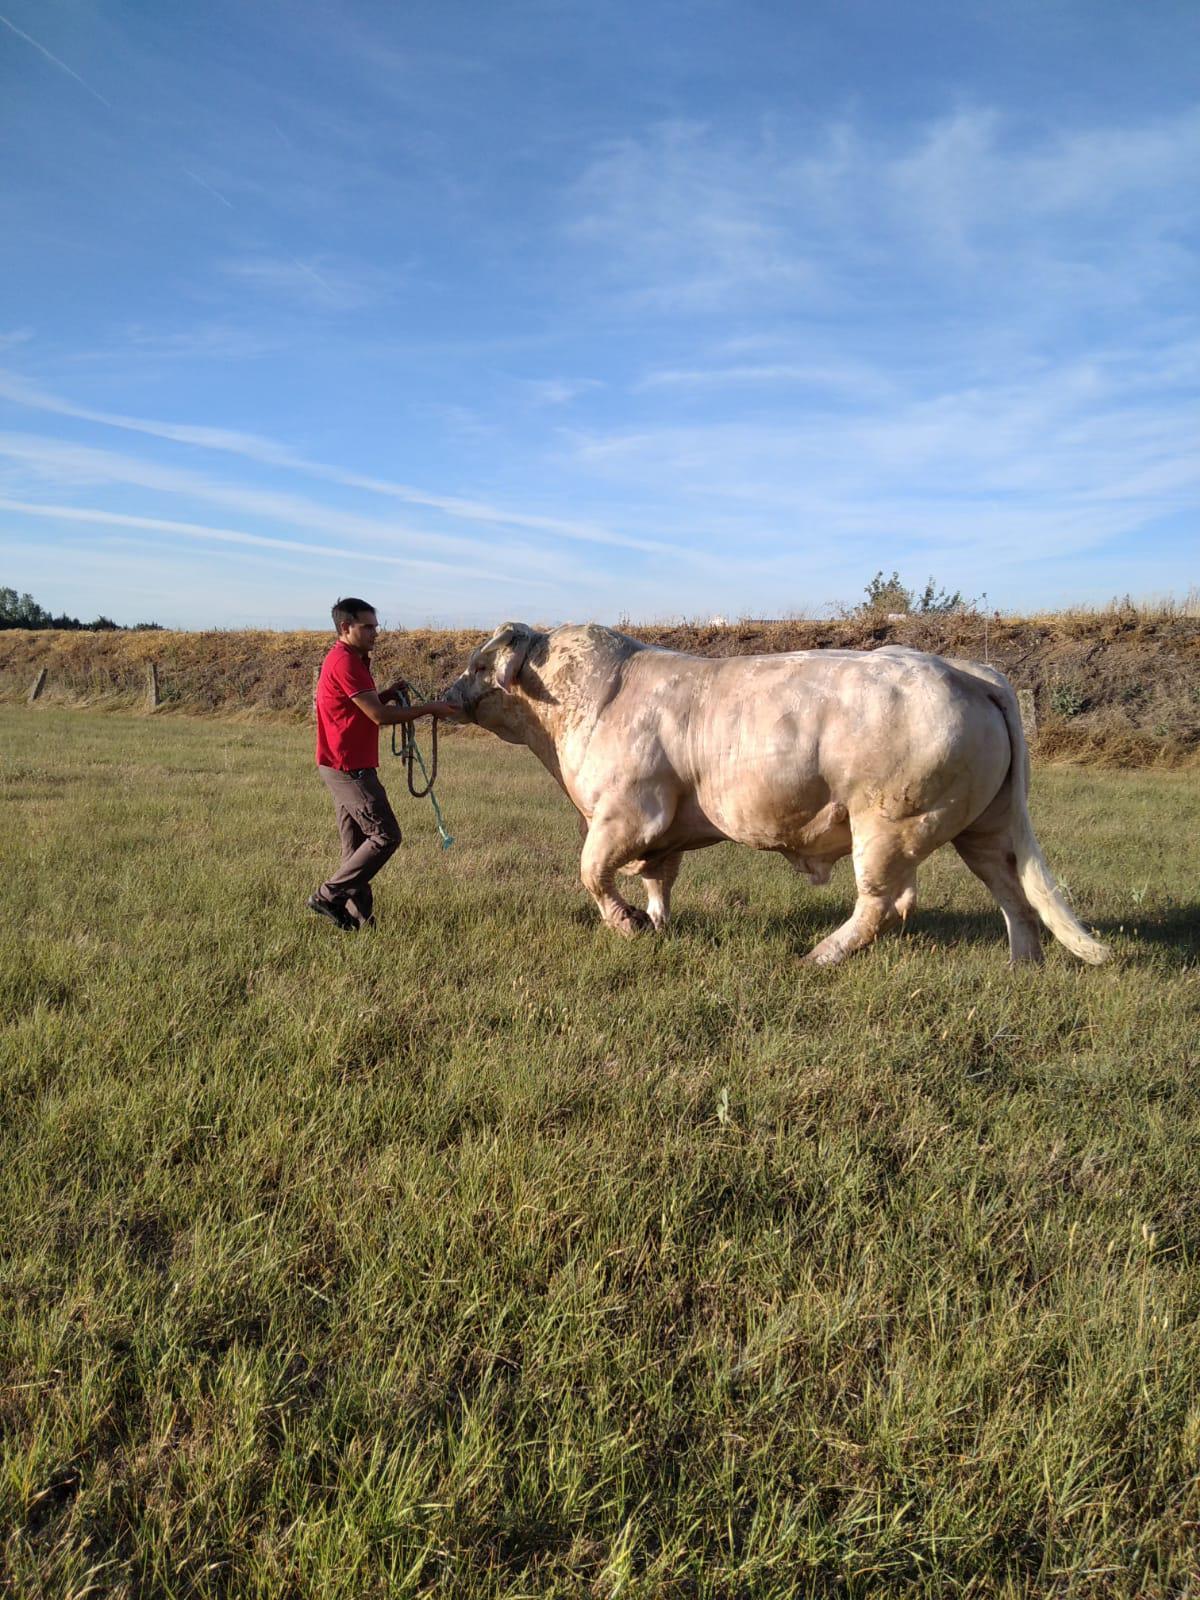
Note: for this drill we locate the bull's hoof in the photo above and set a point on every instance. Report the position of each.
(824, 954)
(629, 922)
(1029, 956)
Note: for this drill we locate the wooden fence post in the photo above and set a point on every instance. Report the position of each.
(1028, 714)
(152, 685)
(39, 683)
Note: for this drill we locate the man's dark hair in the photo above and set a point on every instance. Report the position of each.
(349, 610)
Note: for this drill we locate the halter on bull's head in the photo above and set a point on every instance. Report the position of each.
(492, 674)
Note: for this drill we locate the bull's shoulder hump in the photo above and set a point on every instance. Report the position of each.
(594, 638)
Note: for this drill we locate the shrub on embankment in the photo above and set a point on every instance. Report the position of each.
(1119, 687)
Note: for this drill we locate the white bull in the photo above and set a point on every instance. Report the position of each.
(880, 755)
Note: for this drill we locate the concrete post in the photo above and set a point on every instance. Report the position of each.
(1028, 714)
(39, 683)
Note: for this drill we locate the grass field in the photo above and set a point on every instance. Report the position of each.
(486, 1254)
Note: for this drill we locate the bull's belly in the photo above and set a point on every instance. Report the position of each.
(796, 818)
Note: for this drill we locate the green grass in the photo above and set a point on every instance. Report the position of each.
(489, 1255)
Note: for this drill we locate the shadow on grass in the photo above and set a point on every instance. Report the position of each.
(1177, 931)
(804, 926)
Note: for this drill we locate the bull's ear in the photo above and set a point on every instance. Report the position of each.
(507, 647)
(511, 658)
(502, 636)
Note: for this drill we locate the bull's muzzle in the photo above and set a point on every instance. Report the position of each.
(454, 695)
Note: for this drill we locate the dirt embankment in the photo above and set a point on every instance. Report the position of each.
(1118, 687)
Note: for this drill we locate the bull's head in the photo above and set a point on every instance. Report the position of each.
(484, 691)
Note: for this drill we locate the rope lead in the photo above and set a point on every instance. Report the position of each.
(410, 754)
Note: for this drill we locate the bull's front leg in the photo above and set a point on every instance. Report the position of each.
(659, 879)
(610, 843)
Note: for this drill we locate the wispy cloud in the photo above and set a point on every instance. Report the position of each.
(69, 468)
(695, 221)
(254, 447)
(683, 219)
(558, 391)
(57, 462)
(942, 370)
(317, 283)
(1063, 461)
(966, 160)
(216, 193)
(858, 381)
(196, 530)
(54, 60)
(202, 341)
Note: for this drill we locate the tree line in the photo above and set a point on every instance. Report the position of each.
(23, 611)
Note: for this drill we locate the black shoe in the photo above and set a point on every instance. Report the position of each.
(334, 911)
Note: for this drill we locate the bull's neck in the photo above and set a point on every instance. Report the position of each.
(561, 717)
(542, 727)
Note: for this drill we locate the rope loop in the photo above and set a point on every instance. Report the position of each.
(411, 755)
(409, 752)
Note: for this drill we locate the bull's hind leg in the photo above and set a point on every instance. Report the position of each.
(885, 871)
(989, 853)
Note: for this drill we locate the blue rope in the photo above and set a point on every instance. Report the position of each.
(409, 752)
(446, 838)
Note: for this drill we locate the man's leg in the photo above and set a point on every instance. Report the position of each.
(369, 819)
(351, 837)
(359, 906)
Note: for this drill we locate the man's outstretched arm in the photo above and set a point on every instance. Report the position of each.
(370, 704)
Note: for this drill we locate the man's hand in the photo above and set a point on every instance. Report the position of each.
(438, 708)
(397, 693)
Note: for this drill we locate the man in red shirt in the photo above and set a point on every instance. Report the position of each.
(350, 713)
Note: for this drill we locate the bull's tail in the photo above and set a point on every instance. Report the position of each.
(1040, 888)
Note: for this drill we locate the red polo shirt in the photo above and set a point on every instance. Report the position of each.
(346, 737)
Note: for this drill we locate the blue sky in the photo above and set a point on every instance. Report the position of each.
(556, 310)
